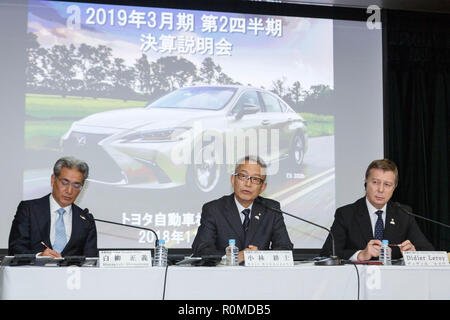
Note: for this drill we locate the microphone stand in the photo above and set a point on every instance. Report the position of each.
(89, 217)
(333, 260)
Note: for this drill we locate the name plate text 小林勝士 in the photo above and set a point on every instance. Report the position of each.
(269, 258)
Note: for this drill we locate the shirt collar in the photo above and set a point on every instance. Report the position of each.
(372, 209)
(54, 206)
(241, 207)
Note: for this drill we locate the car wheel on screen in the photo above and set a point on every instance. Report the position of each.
(205, 176)
(297, 153)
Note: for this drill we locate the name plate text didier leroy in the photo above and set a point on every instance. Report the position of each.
(268, 258)
(125, 258)
(425, 258)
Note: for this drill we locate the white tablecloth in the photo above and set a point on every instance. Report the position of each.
(404, 283)
(262, 283)
(304, 281)
(184, 283)
(74, 283)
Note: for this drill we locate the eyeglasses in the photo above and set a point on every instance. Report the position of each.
(66, 183)
(246, 177)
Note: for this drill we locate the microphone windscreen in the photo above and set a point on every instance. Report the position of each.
(85, 214)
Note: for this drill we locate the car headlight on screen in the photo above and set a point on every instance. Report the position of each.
(159, 135)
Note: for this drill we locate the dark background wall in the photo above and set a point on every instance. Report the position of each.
(417, 98)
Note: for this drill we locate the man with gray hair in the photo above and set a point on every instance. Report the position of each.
(242, 216)
(51, 226)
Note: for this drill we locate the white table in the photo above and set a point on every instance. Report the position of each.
(300, 282)
(304, 281)
(404, 283)
(74, 283)
(183, 283)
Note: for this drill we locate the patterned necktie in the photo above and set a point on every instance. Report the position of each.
(60, 234)
(246, 213)
(379, 226)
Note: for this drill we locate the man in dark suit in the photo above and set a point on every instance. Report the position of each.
(242, 216)
(358, 228)
(52, 226)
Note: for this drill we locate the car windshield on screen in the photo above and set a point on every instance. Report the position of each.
(205, 98)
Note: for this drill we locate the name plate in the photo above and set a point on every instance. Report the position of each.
(125, 259)
(268, 258)
(425, 258)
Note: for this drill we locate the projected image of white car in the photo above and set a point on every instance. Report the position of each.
(183, 138)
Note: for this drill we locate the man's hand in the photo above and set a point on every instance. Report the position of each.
(407, 246)
(50, 253)
(241, 253)
(372, 250)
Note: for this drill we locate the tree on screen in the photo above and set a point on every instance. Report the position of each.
(34, 71)
(296, 92)
(122, 78)
(143, 75)
(61, 69)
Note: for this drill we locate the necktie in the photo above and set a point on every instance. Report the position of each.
(379, 226)
(60, 234)
(246, 213)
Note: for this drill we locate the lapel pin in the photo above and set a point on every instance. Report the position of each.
(392, 221)
(257, 217)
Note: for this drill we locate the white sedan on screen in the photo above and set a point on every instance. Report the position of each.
(191, 136)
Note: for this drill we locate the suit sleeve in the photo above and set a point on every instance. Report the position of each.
(90, 247)
(339, 229)
(19, 237)
(280, 236)
(205, 240)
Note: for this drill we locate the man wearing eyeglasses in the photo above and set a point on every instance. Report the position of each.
(51, 226)
(358, 228)
(242, 217)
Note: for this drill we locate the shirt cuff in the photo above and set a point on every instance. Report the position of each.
(354, 257)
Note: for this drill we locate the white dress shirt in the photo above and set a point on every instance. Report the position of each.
(373, 220)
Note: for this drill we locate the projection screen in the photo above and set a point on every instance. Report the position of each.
(162, 103)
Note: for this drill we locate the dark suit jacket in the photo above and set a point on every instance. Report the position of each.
(220, 221)
(31, 225)
(352, 230)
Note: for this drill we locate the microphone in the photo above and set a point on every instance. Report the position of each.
(332, 260)
(86, 215)
(400, 206)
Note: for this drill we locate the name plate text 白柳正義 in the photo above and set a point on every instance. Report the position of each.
(125, 258)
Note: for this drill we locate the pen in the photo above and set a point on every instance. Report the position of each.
(43, 243)
(51, 255)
